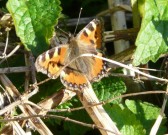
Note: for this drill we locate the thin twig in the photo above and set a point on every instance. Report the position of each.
(37, 123)
(158, 121)
(10, 54)
(10, 107)
(134, 94)
(104, 102)
(147, 69)
(27, 73)
(4, 56)
(23, 99)
(7, 39)
(33, 70)
(14, 69)
(123, 65)
(57, 117)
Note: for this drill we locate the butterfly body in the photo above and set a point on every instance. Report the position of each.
(79, 72)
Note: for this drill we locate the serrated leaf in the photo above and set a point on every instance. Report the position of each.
(152, 38)
(147, 113)
(141, 7)
(126, 121)
(109, 87)
(34, 21)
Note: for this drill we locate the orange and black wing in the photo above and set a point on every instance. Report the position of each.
(51, 61)
(92, 34)
(99, 69)
(73, 79)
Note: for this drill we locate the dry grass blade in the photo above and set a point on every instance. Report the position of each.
(97, 113)
(56, 99)
(159, 119)
(37, 123)
(17, 128)
(48, 103)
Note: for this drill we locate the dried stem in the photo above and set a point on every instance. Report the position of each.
(50, 102)
(159, 119)
(106, 101)
(57, 117)
(27, 73)
(37, 123)
(97, 113)
(10, 54)
(14, 70)
(124, 66)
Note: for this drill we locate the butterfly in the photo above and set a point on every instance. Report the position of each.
(77, 74)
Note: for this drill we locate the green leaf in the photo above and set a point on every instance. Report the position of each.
(34, 22)
(126, 121)
(109, 87)
(152, 38)
(147, 113)
(2, 124)
(73, 128)
(141, 7)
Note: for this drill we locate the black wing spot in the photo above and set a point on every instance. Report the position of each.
(96, 36)
(85, 34)
(59, 51)
(92, 42)
(90, 27)
(51, 54)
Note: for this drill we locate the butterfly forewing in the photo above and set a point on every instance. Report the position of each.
(51, 61)
(91, 34)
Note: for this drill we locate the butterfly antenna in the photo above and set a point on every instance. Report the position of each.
(62, 31)
(78, 20)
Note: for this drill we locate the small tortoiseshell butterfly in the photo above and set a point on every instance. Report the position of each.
(77, 74)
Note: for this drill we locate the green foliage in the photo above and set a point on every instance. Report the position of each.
(80, 115)
(12, 62)
(34, 22)
(135, 117)
(109, 87)
(126, 121)
(2, 124)
(152, 38)
(146, 113)
(47, 89)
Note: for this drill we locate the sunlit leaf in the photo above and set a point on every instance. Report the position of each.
(34, 21)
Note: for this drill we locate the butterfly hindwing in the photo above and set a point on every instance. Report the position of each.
(73, 80)
(99, 69)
